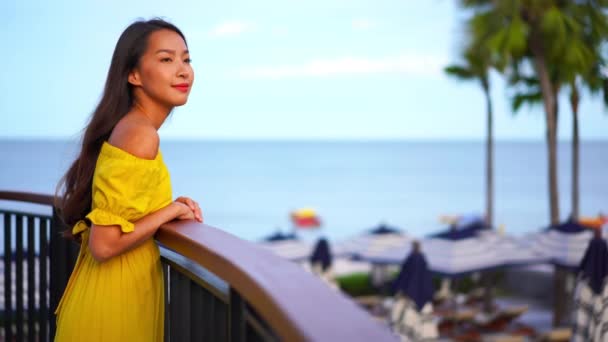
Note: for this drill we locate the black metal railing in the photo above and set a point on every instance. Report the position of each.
(200, 306)
(217, 287)
(37, 263)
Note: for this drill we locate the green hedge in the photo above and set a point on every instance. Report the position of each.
(359, 284)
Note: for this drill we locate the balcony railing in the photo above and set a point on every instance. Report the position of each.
(217, 287)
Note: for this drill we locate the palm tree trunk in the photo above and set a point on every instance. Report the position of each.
(489, 161)
(574, 101)
(550, 105)
(488, 288)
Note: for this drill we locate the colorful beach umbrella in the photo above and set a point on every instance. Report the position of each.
(306, 218)
(594, 222)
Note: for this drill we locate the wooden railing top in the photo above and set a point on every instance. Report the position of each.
(294, 303)
(27, 197)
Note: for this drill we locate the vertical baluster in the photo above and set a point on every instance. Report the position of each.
(221, 319)
(43, 284)
(237, 317)
(175, 309)
(184, 305)
(166, 275)
(31, 280)
(197, 313)
(8, 278)
(182, 324)
(59, 254)
(19, 275)
(207, 319)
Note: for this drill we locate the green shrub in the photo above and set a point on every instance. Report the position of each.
(357, 284)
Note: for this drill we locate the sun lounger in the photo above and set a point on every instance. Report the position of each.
(499, 320)
(452, 323)
(413, 324)
(557, 335)
(505, 338)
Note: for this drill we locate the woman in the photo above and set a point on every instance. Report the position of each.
(118, 192)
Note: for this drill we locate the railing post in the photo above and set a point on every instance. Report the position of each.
(236, 319)
(8, 279)
(63, 254)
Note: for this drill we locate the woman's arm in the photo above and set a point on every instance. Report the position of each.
(138, 137)
(106, 242)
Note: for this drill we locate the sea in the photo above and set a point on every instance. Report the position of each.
(249, 188)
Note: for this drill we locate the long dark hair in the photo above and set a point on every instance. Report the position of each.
(115, 103)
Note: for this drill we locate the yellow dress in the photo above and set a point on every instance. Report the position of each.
(121, 299)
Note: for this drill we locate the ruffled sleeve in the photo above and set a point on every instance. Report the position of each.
(122, 189)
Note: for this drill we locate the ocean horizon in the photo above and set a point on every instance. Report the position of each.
(249, 187)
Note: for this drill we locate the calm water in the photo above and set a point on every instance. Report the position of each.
(248, 188)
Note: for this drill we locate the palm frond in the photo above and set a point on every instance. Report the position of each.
(460, 72)
(530, 99)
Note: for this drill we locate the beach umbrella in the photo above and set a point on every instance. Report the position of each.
(473, 252)
(373, 242)
(280, 236)
(563, 244)
(321, 255)
(287, 246)
(462, 252)
(415, 280)
(305, 218)
(594, 222)
(460, 221)
(591, 294)
(412, 310)
(461, 232)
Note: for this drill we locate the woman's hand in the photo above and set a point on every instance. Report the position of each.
(183, 211)
(194, 207)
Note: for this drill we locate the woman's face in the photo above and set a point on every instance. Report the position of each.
(164, 73)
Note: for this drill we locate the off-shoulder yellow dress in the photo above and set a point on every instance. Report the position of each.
(121, 299)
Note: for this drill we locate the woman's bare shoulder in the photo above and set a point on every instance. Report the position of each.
(135, 136)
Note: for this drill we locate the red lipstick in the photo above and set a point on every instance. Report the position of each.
(183, 87)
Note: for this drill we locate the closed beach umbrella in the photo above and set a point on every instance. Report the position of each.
(415, 280)
(321, 255)
(415, 283)
(287, 246)
(591, 294)
(564, 244)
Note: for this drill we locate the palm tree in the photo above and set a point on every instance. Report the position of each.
(549, 35)
(476, 66)
(595, 31)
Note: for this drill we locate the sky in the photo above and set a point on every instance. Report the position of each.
(268, 69)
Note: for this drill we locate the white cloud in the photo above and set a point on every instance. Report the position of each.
(362, 24)
(411, 64)
(231, 28)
